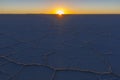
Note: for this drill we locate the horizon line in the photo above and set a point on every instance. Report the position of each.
(57, 14)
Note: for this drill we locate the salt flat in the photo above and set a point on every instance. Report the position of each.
(51, 47)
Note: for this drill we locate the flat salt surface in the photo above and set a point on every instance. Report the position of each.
(51, 47)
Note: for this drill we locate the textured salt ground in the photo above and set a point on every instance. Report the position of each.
(74, 47)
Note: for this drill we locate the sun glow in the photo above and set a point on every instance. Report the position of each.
(60, 12)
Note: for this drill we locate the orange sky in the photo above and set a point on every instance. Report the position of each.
(51, 6)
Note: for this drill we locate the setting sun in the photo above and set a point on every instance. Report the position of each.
(60, 12)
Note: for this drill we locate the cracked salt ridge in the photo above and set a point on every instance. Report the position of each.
(64, 69)
(55, 70)
(25, 71)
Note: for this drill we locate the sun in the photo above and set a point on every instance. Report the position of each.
(60, 12)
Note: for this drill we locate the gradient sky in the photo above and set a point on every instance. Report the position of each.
(69, 6)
